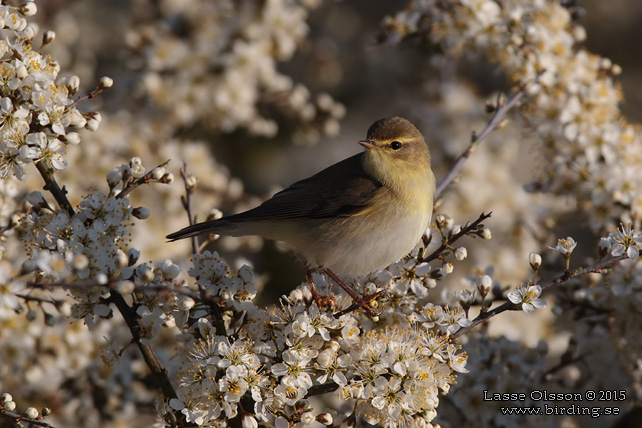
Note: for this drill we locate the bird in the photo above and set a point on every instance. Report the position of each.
(354, 217)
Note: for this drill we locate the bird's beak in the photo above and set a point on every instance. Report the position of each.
(368, 145)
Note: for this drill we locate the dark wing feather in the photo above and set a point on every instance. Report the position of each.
(340, 190)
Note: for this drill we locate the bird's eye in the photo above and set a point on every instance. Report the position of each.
(395, 145)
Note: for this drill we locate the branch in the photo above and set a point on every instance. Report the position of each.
(145, 179)
(18, 419)
(204, 296)
(502, 109)
(60, 195)
(187, 204)
(84, 98)
(510, 306)
(464, 231)
(159, 372)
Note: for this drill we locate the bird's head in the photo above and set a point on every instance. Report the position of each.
(396, 152)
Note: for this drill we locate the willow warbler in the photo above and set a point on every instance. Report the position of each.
(354, 217)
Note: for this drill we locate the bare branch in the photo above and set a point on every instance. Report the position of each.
(495, 120)
(145, 179)
(464, 231)
(187, 204)
(84, 98)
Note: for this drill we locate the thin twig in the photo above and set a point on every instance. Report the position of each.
(145, 179)
(204, 295)
(510, 306)
(84, 98)
(495, 120)
(464, 231)
(18, 419)
(187, 204)
(28, 298)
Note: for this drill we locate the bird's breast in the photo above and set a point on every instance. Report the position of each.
(373, 239)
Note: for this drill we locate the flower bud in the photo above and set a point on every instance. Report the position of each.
(461, 253)
(324, 418)
(484, 283)
(105, 82)
(50, 320)
(158, 172)
(28, 9)
(93, 122)
(535, 260)
(441, 221)
(167, 178)
(71, 138)
(141, 213)
(121, 259)
(485, 233)
(21, 71)
(114, 177)
(190, 182)
(48, 37)
(73, 84)
(448, 268)
(31, 413)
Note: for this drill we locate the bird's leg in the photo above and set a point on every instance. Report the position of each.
(321, 301)
(362, 301)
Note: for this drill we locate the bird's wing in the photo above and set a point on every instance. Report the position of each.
(342, 189)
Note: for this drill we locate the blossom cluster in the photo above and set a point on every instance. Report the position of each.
(392, 375)
(36, 108)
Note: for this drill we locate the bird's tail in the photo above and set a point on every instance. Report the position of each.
(214, 226)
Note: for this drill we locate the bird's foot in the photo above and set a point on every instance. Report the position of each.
(368, 302)
(323, 302)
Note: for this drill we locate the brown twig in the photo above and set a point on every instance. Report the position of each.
(59, 194)
(204, 296)
(84, 98)
(186, 200)
(500, 112)
(510, 306)
(145, 179)
(464, 231)
(18, 419)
